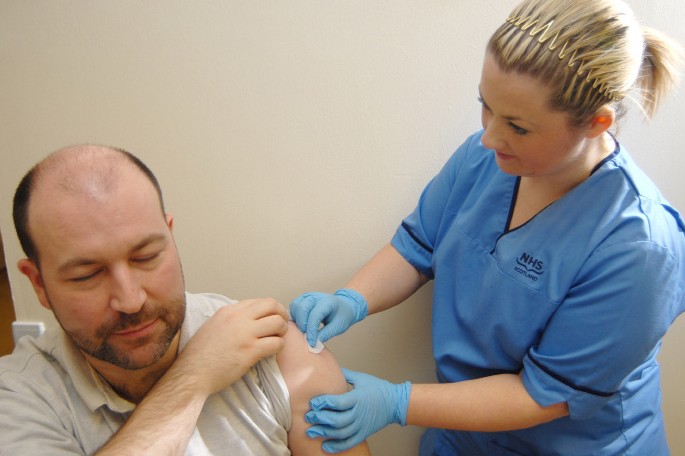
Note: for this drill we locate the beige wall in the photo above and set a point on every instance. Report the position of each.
(291, 138)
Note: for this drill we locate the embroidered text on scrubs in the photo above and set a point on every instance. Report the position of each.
(529, 266)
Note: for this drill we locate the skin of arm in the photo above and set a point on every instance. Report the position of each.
(307, 375)
(163, 422)
(386, 280)
(222, 350)
(489, 404)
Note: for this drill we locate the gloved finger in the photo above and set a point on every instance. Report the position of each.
(354, 377)
(318, 315)
(334, 402)
(331, 418)
(300, 309)
(312, 333)
(330, 432)
(336, 446)
(328, 332)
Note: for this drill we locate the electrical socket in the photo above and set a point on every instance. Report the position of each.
(27, 328)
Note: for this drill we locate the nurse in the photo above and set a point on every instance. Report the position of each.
(558, 265)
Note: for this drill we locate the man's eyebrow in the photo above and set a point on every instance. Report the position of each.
(76, 262)
(151, 239)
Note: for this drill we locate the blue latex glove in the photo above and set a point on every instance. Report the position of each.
(337, 312)
(346, 420)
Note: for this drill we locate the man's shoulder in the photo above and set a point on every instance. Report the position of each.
(308, 374)
(201, 306)
(207, 302)
(35, 363)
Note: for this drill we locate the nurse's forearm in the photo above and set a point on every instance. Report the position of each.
(489, 404)
(386, 280)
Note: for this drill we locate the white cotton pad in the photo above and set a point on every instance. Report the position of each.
(316, 348)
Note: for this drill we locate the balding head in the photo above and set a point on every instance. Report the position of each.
(81, 170)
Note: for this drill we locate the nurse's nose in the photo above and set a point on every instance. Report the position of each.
(491, 138)
(127, 294)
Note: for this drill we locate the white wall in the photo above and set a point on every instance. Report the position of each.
(291, 138)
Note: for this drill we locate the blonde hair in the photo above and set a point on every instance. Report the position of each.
(590, 52)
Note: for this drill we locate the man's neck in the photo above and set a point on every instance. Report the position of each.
(133, 385)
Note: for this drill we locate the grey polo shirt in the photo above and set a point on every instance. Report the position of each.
(53, 402)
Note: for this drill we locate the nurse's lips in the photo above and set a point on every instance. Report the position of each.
(138, 331)
(502, 156)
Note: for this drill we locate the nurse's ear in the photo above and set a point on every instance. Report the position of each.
(603, 119)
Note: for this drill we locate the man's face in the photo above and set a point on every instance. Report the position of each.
(109, 270)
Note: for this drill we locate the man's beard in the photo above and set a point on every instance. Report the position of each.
(171, 314)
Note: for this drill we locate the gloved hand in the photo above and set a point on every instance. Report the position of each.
(346, 420)
(337, 311)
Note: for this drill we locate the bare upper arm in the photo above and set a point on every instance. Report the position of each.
(307, 375)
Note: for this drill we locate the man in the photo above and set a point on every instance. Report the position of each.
(141, 366)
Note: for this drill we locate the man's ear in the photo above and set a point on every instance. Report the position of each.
(30, 270)
(170, 221)
(603, 119)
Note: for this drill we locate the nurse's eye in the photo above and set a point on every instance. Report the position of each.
(518, 130)
(485, 106)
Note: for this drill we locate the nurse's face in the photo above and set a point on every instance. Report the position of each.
(529, 139)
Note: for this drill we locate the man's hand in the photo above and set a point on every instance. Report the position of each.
(234, 339)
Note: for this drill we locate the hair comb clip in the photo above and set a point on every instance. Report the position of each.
(546, 33)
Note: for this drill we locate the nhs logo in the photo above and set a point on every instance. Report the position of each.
(529, 266)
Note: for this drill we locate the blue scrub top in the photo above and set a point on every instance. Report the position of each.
(578, 299)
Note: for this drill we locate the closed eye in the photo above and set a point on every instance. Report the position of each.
(146, 259)
(85, 278)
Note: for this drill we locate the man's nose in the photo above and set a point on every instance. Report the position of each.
(127, 295)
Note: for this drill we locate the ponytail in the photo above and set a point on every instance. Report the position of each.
(659, 74)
